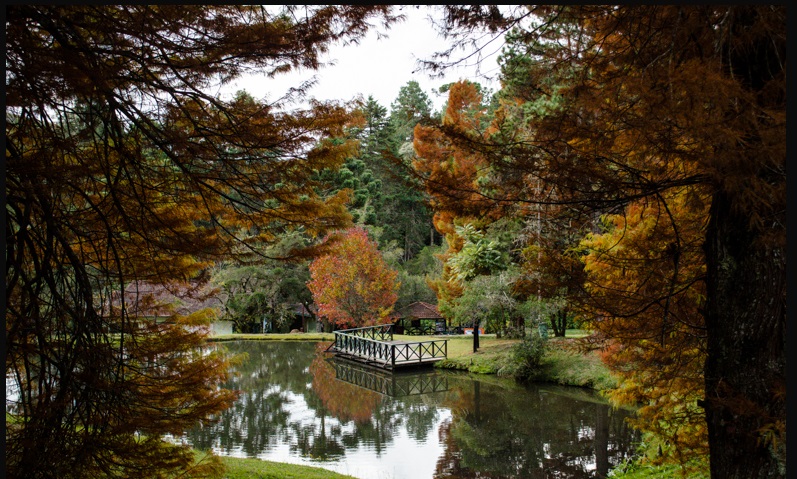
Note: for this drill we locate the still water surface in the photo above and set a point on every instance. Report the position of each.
(299, 405)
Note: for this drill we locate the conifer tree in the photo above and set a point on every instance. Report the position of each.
(617, 108)
(120, 168)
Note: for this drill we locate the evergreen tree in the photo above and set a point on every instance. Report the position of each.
(628, 110)
(121, 168)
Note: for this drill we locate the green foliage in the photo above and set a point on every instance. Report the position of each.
(647, 464)
(413, 288)
(527, 357)
(261, 297)
(563, 366)
(488, 299)
(382, 193)
(414, 277)
(411, 106)
(478, 256)
(427, 262)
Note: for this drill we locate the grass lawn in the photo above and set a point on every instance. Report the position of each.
(561, 364)
(671, 471)
(247, 468)
(492, 355)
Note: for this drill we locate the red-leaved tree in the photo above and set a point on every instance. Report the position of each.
(352, 284)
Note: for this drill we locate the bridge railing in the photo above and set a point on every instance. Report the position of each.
(389, 384)
(367, 348)
(370, 343)
(381, 332)
(419, 351)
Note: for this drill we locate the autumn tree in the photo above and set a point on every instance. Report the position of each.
(120, 167)
(655, 334)
(627, 107)
(351, 283)
(450, 172)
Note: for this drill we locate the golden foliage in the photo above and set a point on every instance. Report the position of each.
(645, 279)
(669, 122)
(122, 168)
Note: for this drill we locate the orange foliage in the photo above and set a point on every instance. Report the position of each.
(669, 120)
(122, 167)
(645, 279)
(352, 284)
(452, 171)
(345, 401)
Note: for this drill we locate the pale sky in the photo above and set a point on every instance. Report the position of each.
(377, 67)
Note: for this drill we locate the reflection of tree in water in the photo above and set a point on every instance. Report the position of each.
(377, 418)
(420, 418)
(274, 376)
(291, 397)
(498, 433)
(259, 419)
(345, 401)
(319, 445)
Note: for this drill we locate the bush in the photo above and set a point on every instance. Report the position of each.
(527, 357)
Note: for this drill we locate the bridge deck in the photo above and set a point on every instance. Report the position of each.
(375, 346)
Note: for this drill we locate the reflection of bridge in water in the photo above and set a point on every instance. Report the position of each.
(374, 345)
(389, 384)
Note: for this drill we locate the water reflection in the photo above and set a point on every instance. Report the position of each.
(400, 383)
(298, 406)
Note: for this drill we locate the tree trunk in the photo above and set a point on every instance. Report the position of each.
(559, 323)
(745, 371)
(520, 325)
(475, 335)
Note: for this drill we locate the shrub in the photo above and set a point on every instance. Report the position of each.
(527, 357)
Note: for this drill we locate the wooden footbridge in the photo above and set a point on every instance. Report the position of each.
(374, 345)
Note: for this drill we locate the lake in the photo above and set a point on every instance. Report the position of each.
(301, 405)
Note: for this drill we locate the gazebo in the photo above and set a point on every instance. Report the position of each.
(420, 318)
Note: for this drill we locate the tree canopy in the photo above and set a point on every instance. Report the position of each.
(352, 284)
(668, 121)
(638, 151)
(121, 167)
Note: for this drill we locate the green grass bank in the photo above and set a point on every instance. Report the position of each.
(245, 468)
(561, 364)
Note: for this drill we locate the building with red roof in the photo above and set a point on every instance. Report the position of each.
(420, 318)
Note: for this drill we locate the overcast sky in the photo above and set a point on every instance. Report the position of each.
(377, 67)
